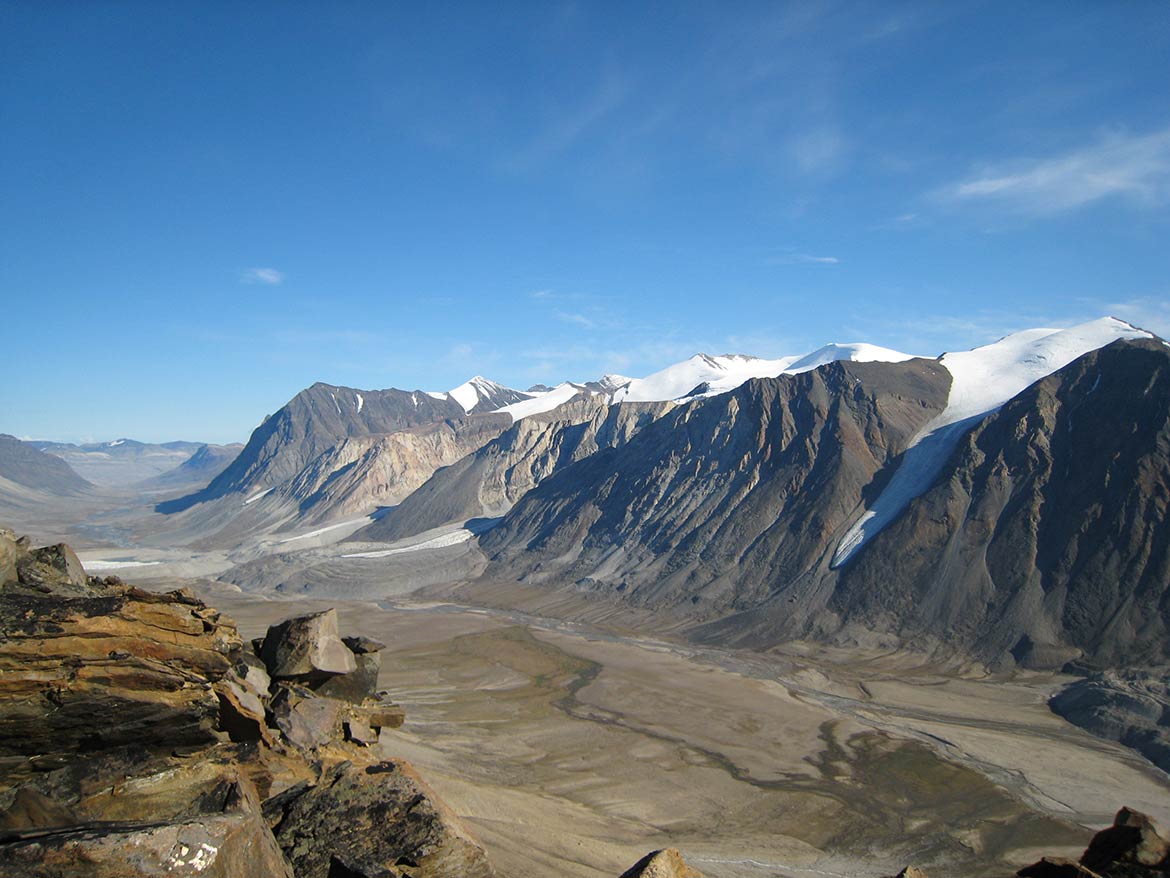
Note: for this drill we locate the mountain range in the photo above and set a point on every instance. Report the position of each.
(1007, 503)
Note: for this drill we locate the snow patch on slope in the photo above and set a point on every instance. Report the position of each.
(858, 352)
(705, 375)
(542, 402)
(719, 374)
(983, 379)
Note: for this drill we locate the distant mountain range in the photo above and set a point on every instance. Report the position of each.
(125, 462)
(1007, 502)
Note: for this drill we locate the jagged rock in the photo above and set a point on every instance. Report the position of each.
(51, 566)
(363, 645)
(383, 715)
(666, 863)
(8, 556)
(306, 648)
(358, 685)
(253, 672)
(1056, 867)
(359, 731)
(911, 872)
(374, 821)
(308, 720)
(116, 710)
(214, 836)
(115, 666)
(1130, 843)
(242, 713)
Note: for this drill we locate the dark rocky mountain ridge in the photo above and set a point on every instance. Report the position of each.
(1043, 540)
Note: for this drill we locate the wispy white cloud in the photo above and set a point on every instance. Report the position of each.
(1131, 167)
(569, 124)
(269, 276)
(575, 318)
(802, 259)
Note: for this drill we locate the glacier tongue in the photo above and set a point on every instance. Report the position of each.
(983, 379)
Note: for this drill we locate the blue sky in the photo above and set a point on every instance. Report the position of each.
(206, 207)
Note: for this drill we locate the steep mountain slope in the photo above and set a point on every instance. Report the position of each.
(488, 482)
(362, 473)
(716, 505)
(1046, 536)
(25, 465)
(311, 423)
(1041, 538)
(983, 380)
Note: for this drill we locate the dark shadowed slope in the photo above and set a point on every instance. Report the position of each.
(723, 503)
(1047, 535)
(1043, 539)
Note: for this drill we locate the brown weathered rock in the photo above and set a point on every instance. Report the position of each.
(667, 863)
(1056, 867)
(1132, 840)
(384, 715)
(116, 710)
(360, 732)
(911, 872)
(115, 666)
(306, 648)
(51, 566)
(306, 719)
(373, 821)
(8, 556)
(213, 836)
(363, 645)
(358, 685)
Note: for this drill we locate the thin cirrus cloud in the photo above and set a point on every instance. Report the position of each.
(267, 276)
(1131, 167)
(803, 259)
(575, 318)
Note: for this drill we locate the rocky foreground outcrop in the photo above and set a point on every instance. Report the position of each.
(139, 735)
(667, 863)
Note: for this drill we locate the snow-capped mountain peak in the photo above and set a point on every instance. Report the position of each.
(481, 394)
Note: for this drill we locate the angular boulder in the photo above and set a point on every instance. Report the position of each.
(307, 648)
(372, 821)
(52, 566)
(305, 718)
(1132, 842)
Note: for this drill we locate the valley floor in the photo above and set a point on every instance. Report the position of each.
(572, 751)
